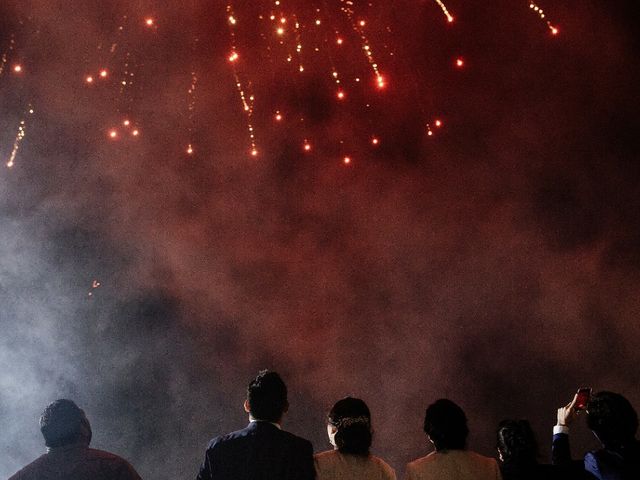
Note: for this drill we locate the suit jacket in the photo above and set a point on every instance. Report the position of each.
(603, 464)
(537, 471)
(261, 451)
(453, 465)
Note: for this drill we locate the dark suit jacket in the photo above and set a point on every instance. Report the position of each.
(261, 451)
(537, 471)
(602, 464)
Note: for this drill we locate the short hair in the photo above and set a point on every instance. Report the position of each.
(446, 425)
(612, 418)
(352, 419)
(267, 396)
(61, 423)
(517, 442)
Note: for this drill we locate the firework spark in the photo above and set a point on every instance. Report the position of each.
(543, 16)
(22, 131)
(444, 9)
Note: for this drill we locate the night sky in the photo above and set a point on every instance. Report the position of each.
(495, 261)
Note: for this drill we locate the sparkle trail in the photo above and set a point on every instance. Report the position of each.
(533, 6)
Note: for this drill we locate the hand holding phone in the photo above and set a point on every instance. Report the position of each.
(582, 398)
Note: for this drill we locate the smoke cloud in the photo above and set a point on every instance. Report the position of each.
(497, 265)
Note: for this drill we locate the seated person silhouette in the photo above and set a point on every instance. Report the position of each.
(67, 434)
(262, 450)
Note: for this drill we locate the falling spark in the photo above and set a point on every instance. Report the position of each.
(346, 160)
(17, 68)
(16, 144)
(247, 101)
(149, 22)
(95, 284)
(5, 55)
(533, 6)
(347, 9)
(459, 62)
(104, 73)
(445, 10)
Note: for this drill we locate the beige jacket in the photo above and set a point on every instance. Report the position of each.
(333, 465)
(453, 465)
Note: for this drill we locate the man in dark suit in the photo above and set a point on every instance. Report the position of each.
(262, 450)
(614, 422)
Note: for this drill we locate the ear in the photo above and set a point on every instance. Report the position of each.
(246, 406)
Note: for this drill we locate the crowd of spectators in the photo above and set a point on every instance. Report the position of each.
(264, 451)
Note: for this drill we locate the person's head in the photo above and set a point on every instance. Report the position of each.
(64, 423)
(446, 425)
(267, 397)
(612, 418)
(349, 426)
(516, 442)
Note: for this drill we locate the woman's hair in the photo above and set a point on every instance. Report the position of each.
(352, 420)
(446, 425)
(516, 442)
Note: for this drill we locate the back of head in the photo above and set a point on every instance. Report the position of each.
(352, 420)
(63, 423)
(267, 397)
(446, 425)
(612, 419)
(516, 442)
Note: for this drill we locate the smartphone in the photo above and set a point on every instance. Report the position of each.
(584, 395)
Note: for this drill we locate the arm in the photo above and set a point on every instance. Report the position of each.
(560, 450)
(307, 464)
(206, 468)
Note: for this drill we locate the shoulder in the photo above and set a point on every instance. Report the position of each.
(114, 461)
(476, 457)
(383, 466)
(325, 461)
(229, 438)
(421, 462)
(295, 441)
(326, 456)
(30, 470)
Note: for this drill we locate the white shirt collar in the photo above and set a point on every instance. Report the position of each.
(253, 420)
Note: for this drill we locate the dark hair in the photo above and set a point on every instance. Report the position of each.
(352, 419)
(517, 442)
(612, 418)
(446, 425)
(61, 423)
(267, 396)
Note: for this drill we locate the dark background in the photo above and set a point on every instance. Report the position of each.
(496, 263)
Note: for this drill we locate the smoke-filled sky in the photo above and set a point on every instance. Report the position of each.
(495, 262)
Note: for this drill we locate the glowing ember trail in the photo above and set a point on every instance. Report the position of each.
(22, 131)
(543, 16)
(246, 100)
(445, 10)
(5, 54)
